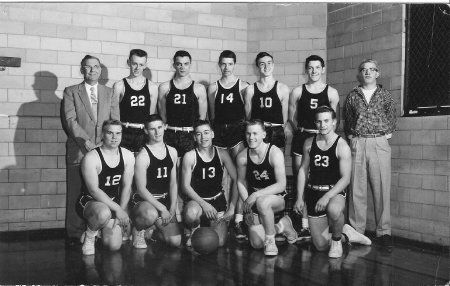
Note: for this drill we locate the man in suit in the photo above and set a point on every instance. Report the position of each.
(83, 109)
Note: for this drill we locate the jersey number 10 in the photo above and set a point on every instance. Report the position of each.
(266, 102)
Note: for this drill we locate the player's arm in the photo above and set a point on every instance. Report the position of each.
(200, 92)
(283, 93)
(294, 97)
(302, 176)
(127, 180)
(153, 90)
(344, 156)
(173, 191)
(248, 95)
(163, 90)
(119, 89)
(90, 168)
(231, 169)
(333, 98)
(241, 162)
(212, 89)
(242, 86)
(186, 176)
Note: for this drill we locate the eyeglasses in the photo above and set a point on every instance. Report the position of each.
(89, 68)
(369, 69)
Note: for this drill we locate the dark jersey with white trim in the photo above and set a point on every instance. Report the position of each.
(259, 176)
(323, 164)
(135, 104)
(207, 176)
(228, 104)
(158, 173)
(307, 105)
(266, 106)
(181, 106)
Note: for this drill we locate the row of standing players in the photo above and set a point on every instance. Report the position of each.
(181, 102)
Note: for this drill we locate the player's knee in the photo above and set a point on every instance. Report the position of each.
(100, 216)
(191, 215)
(112, 238)
(334, 211)
(256, 243)
(263, 204)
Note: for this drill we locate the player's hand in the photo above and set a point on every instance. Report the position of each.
(322, 204)
(209, 211)
(249, 202)
(165, 217)
(299, 205)
(122, 218)
(226, 216)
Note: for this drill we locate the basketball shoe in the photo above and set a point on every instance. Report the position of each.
(335, 249)
(354, 236)
(138, 238)
(270, 248)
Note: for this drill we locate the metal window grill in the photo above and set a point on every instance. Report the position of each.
(427, 77)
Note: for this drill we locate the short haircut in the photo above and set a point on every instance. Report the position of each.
(262, 55)
(253, 122)
(314, 58)
(109, 122)
(201, 122)
(325, 109)
(137, 52)
(150, 118)
(227, 54)
(88, 57)
(365, 61)
(182, 53)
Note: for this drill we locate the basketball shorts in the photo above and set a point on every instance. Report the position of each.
(182, 141)
(82, 201)
(219, 203)
(228, 135)
(136, 199)
(276, 136)
(298, 141)
(133, 138)
(312, 197)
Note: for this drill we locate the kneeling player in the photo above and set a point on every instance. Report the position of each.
(201, 179)
(155, 201)
(327, 160)
(107, 173)
(262, 186)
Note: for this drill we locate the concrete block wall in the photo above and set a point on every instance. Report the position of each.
(290, 32)
(51, 39)
(420, 146)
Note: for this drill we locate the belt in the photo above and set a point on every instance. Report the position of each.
(133, 125)
(213, 198)
(371, 135)
(270, 124)
(160, 196)
(314, 131)
(185, 129)
(320, 187)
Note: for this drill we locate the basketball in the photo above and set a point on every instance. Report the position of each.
(205, 240)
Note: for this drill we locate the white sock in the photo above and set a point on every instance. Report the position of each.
(305, 223)
(238, 218)
(272, 237)
(91, 233)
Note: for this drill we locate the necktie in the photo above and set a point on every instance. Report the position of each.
(94, 102)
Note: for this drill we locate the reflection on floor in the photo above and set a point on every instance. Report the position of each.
(50, 261)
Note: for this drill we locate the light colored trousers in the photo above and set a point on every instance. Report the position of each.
(371, 164)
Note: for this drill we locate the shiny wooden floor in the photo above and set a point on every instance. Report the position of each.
(50, 261)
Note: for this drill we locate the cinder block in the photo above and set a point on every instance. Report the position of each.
(441, 199)
(115, 48)
(22, 122)
(421, 196)
(3, 203)
(22, 41)
(286, 57)
(421, 225)
(441, 228)
(236, 46)
(400, 222)
(56, 70)
(4, 122)
(434, 152)
(61, 187)
(410, 152)
(26, 15)
(86, 46)
(71, 7)
(144, 26)
(318, 44)
(107, 9)
(196, 31)
(222, 33)
(258, 35)
(437, 183)
(39, 56)
(185, 17)
(410, 181)
(434, 122)
(23, 226)
(11, 216)
(55, 44)
(39, 109)
(53, 201)
(240, 35)
(411, 210)
(234, 22)
(116, 23)
(442, 137)
(401, 165)
(40, 188)
(53, 175)
(130, 37)
(18, 149)
(228, 9)
(4, 174)
(261, 10)
(52, 224)
(343, 14)
(299, 22)
(210, 20)
(424, 137)
(185, 42)
(171, 28)
(392, 14)
(267, 23)
(409, 123)
(41, 162)
(70, 58)
(10, 27)
(61, 162)
(372, 19)
(40, 214)
(11, 189)
(422, 167)
(61, 213)
(23, 202)
(335, 53)
(132, 11)
(10, 135)
(442, 167)
(25, 175)
(361, 9)
(12, 162)
(319, 21)
(55, 17)
(32, 69)
(86, 20)
(158, 15)
(312, 9)
(209, 44)
(101, 34)
(441, 214)
(336, 77)
(62, 137)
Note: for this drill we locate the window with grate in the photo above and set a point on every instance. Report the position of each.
(427, 77)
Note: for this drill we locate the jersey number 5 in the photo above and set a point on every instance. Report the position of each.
(115, 180)
(314, 103)
(138, 100)
(321, 161)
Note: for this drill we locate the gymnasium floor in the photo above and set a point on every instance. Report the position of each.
(37, 259)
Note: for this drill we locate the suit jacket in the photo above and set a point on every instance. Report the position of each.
(78, 119)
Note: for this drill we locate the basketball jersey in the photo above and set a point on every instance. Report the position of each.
(228, 104)
(207, 176)
(266, 106)
(158, 173)
(323, 165)
(181, 106)
(260, 175)
(307, 105)
(109, 179)
(135, 104)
